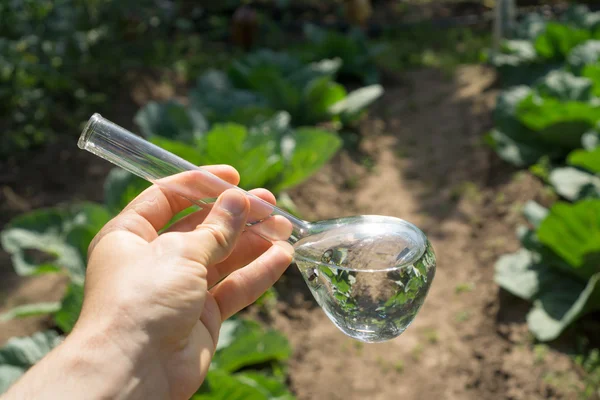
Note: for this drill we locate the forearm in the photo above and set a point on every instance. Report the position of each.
(90, 365)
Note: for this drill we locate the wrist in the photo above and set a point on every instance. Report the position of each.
(114, 363)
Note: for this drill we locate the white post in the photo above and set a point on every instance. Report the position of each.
(504, 21)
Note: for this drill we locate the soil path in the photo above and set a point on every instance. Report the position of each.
(423, 161)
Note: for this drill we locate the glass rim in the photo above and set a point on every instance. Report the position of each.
(424, 244)
(88, 131)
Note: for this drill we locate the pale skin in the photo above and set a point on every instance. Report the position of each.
(154, 303)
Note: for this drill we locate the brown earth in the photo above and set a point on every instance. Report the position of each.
(421, 159)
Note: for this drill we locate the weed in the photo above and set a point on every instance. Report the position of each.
(351, 183)
(417, 352)
(358, 346)
(464, 287)
(399, 366)
(368, 163)
(463, 316)
(431, 335)
(385, 367)
(540, 352)
(468, 190)
(500, 198)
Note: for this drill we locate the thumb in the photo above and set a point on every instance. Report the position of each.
(217, 235)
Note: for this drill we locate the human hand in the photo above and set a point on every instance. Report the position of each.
(154, 303)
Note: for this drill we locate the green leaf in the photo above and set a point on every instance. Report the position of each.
(319, 95)
(254, 155)
(120, 188)
(221, 385)
(572, 231)
(589, 160)
(573, 184)
(586, 53)
(30, 310)
(520, 273)
(53, 239)
(353, 49)
(271, 387)
(565, 86)
(171, 120)
(535, 213)
(590, 140)
(251, 345)
(20, 353)
(187, 151)
(561, 302)
(560, 123)
(505, 115)
(530, 27)
(312, 149)
(216, 98)
(592, 72)
(559, 299)
(558, 40)
(356, 102)
(514, 152)
(71, 304)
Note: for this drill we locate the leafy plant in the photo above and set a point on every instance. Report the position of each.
(53, 67)
(19, 354)
(548, 119)
(557, 268)
(55, 239)
(540, 46)
(271, 154)
(307, 91)
(244, 344)
(358, 55)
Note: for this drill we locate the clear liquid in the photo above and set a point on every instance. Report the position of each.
(371, 305)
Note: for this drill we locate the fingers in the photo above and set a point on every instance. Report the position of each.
(155, 206)
(190, 222)
(249, 245)
(214, 240)
(247, 284)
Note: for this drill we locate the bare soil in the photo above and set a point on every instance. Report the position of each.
(421, 158)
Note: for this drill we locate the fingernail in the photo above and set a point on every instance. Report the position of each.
(233, 202)
(288, 248)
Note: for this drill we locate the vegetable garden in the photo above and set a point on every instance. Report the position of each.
(495, 154)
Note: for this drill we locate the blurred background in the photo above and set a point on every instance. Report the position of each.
(476, 120)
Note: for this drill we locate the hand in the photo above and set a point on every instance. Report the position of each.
(154, 304)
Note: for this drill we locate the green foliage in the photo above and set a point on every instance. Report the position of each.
(247, 344)
(358, 55)
(307, 91)
(70, 307)
(244, 344)
(216, 98)
(271, 154)
(53, 68)
(53, 239)
(30, 310)
(426, 45)
(549, 119)
(19, 354)
(557, 270)
(171, 120)
(588, 160)
(541, 46)
(555, 119)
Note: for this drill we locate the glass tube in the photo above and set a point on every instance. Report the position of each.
(133, 153)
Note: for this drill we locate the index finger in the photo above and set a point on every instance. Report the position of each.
(152, 209)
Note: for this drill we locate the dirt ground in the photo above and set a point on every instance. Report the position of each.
(421, 159)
